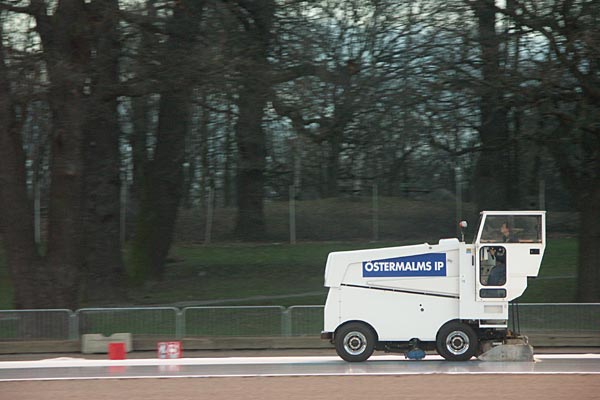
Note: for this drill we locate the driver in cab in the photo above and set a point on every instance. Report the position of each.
(498, 274)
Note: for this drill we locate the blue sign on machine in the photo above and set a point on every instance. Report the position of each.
(430, 264)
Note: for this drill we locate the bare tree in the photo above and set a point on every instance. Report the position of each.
(359, 103)
(103, 269)
(78, 54)
(16, 223)
(563, 92)
(255, 40)
(492, 186)
(161, 193)
(66, 53)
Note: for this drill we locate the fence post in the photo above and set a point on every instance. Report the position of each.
(179, 323)
(292, 214)
(286, 323)
(73, 325)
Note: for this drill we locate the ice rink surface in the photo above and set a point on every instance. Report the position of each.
(80, 368)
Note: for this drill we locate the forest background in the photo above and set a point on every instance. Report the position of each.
(122, 121)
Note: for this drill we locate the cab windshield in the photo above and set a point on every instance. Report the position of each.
(512, 229)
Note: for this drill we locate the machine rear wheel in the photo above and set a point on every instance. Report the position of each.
(457, 342)
(355, 342)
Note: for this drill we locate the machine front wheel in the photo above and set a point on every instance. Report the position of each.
(355, 342)
(457, 341)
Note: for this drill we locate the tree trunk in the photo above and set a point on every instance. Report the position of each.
(142, 107)
(332, 167)
(162, 189)
(64, 248)
(230, 157)
(250, 136)
(139, 147)
(104, 268)
(67, 54)
(491, 173)
(206, 180)
(16, 211)
(163, 184)
(53, 281)
(227, 167)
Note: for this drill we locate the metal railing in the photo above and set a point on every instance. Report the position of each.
(36, 324)
(255, 321)
(563, 317)
(160, 321)
(233, 321)
(304, 320)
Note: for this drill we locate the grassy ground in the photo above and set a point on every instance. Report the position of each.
(240, 274)
(556, 282)
(248, 274)
(282, 274)
(6, 292)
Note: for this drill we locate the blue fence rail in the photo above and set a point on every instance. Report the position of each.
(267, 321)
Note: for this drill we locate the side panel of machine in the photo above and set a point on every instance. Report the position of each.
(403, 293)
(332, 314)
(395, 316)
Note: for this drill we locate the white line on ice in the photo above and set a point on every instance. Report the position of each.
(64, 362)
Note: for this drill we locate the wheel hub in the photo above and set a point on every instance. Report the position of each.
(355, 343)
(457, 343)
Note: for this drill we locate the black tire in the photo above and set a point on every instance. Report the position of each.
(355, 342)
(457, 341)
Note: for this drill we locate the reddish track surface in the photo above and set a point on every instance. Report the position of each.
(426, 387)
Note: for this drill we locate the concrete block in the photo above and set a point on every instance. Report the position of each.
(98, 343)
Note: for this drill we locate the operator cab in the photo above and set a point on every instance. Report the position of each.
(508, 249)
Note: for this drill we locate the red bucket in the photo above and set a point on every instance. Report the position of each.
(116, 351)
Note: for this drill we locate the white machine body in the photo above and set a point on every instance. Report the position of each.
(410, 292)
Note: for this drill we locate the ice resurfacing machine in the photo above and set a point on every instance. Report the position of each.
(452, 296)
